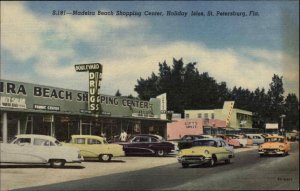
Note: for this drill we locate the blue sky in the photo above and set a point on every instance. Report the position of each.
(39, 47)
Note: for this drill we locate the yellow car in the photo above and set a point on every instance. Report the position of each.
(274, 145)
(206, 151)
(91, 146)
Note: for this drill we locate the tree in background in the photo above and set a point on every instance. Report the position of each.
(276, 99)
(187, 88)
(291, 106)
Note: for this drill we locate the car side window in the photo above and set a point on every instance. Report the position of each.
(219, 144)
(93, 142)
(136, 139)
(79, 141)
(39, 141)
(144, 139)
(153, 139)
(23, 141)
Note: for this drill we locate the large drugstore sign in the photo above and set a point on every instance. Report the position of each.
(95, 77)
(38, 97)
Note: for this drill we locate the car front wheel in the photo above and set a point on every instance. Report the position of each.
(57, 163)
(105, 158)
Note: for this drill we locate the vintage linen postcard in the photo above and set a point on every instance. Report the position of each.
(149, 95)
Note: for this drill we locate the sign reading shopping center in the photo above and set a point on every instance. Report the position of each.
(26, 96)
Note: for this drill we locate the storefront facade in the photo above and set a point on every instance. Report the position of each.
(38, 109)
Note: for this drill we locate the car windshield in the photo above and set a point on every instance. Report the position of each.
(274, 140)
(205, 143)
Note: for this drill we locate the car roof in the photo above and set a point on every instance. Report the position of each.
(210, 139)
(87, 136)
(275, 136)
(36, 136)
(148, 135)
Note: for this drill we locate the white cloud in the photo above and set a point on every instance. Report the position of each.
(50, 40)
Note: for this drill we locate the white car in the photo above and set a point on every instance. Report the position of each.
(38, 149)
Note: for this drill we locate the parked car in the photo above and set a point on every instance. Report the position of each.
(38, 149)
(256, 138)
(206, 151)
(274, 145)
(292, 136)
(91, 146)
(243, 141)
(230, 141)
(147, 144)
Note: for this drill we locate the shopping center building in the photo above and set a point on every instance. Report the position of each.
(39, 109)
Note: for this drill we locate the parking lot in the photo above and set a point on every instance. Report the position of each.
(22, 176)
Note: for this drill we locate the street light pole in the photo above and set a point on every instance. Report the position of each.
(281, 128)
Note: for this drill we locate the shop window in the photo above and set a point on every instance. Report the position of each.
(80, 141)
(187, 116)
(199, 115)
(212, 116)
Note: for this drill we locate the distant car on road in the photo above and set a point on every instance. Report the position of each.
(256, 138)
(274, 145)
(230, 141)
(206, 151)
(91, 146)
(38, 149)
(243, 140)
(147, 144)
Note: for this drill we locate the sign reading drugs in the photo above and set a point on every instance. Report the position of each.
(95, 77)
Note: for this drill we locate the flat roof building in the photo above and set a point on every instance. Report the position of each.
(235, 118)
(39, 109)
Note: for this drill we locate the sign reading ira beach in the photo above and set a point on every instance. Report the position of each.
(95, 77)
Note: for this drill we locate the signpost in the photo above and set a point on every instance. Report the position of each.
(95, 77)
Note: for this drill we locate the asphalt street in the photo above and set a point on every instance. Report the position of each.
(246, 172)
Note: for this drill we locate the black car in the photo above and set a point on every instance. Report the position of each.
(145, 144)
(187, 141)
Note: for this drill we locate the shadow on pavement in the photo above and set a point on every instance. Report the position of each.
(38, 166)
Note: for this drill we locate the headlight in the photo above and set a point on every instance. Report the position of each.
(206, 152)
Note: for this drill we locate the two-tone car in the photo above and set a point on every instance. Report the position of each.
(243, 140)
(147, 144)
(206, 151)
(92, 146)
(274, 145)
(230, 141)
(38, 149)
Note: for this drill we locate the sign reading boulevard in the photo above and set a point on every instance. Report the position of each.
(95, 77)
